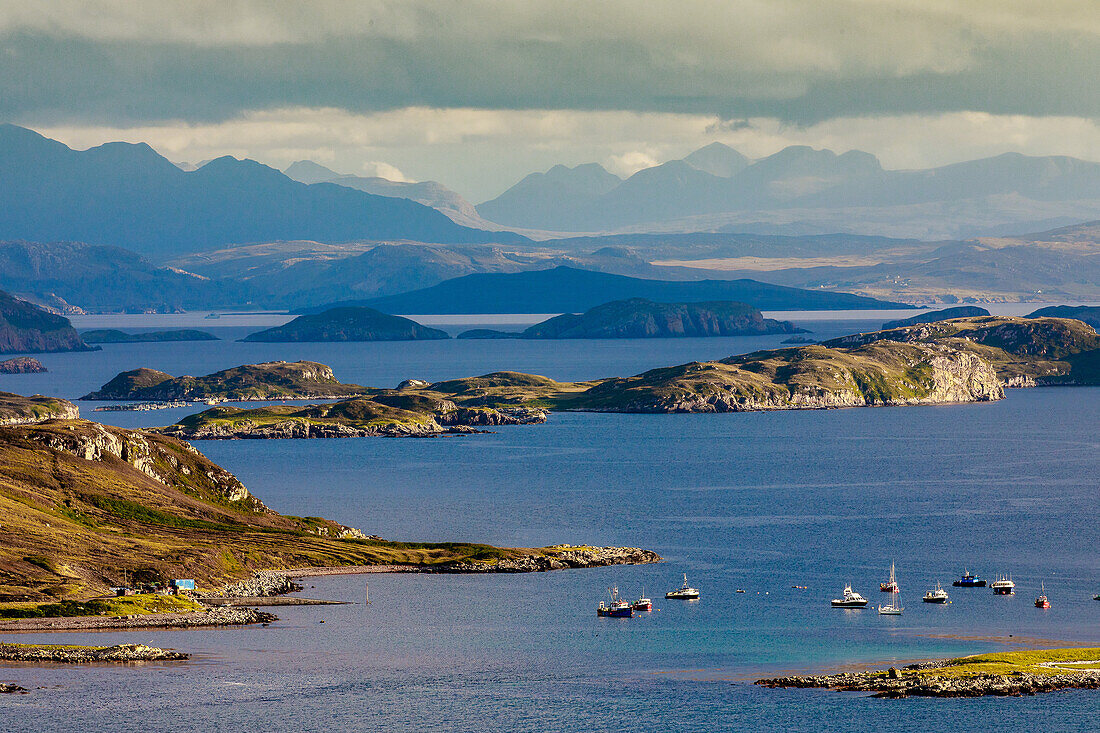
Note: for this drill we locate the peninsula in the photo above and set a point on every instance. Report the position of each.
(24, 327)
(350, 323)
(111, 336)
(84, 507)
(641, 318)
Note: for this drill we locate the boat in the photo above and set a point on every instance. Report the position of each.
(936, 595)
(851, 599)
(617, 608)
(893, 608)
(891, 585)
(1042, 601)
(969, 580)
(211, 316)
(1003, 586)
(643, 603)
(684, 592)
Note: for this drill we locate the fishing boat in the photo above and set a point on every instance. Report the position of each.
(891, 585)
(617, 608)
(684, 592)
(893, 608)
(1042, 601)
(936, 595)
(643, 603)
(969, 580)
(851, 599)
(1003, 586)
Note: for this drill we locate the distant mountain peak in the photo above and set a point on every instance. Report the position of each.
(306, 171)
(718, 159)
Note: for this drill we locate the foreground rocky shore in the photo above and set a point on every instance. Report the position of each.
(221, 616)
(87, 654)
(954, 678)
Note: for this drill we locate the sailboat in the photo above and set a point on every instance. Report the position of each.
(890, 586)
(894, 607)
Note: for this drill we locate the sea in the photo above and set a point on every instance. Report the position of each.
(787, 507)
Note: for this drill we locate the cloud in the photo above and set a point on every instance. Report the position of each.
(380, 169)
(630, 163)
(799, 61)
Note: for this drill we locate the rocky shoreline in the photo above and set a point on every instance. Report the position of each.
(88, 654)
(589, 557)
(221, 616)
(909, 682)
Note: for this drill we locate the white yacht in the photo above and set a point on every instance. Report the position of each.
(1003, 586)
(893, 608)
(851, 599)
(684, 592)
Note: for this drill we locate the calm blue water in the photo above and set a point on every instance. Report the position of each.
(758, 501)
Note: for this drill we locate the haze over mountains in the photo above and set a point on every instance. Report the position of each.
(799, 190)
(128, 195)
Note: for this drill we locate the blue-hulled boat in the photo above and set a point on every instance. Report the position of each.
(969, 580)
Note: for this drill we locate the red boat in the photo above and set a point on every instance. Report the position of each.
(1041, 601)
(891, 585)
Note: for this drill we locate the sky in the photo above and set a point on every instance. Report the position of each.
(478, 93)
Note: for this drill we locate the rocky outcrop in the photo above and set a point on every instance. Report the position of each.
(22, 365)
(908, 683)
(19, 410)
(261, 584)
(563, 557)
(487, 416)
(88, 654)
(10, 688)
(218, 616)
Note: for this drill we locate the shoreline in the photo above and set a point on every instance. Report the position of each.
(221, 616)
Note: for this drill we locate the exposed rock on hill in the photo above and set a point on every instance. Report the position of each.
(964, 311)
(19, 410)
(275, 380)
(641, 318)
(28, 328)
(22, 365)
(348, 324)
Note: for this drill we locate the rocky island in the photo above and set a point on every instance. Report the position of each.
(350, 323)
(25, 327)
(641, 318)
(275, 380)
(1001, 674)
(22, 365)
(111, 336)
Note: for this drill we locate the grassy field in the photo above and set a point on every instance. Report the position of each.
(1035, 661)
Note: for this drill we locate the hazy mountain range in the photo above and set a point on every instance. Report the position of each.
(799, 190)
(128, 195)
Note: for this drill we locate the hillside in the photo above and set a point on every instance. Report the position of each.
(641, 318)
(19, 410)
(129, 196)
(73, 276)
(276, 380)
(1085, 313)
(569, 290)
(27, 328)
(84, 507)
(348, 324)
(963, 311)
